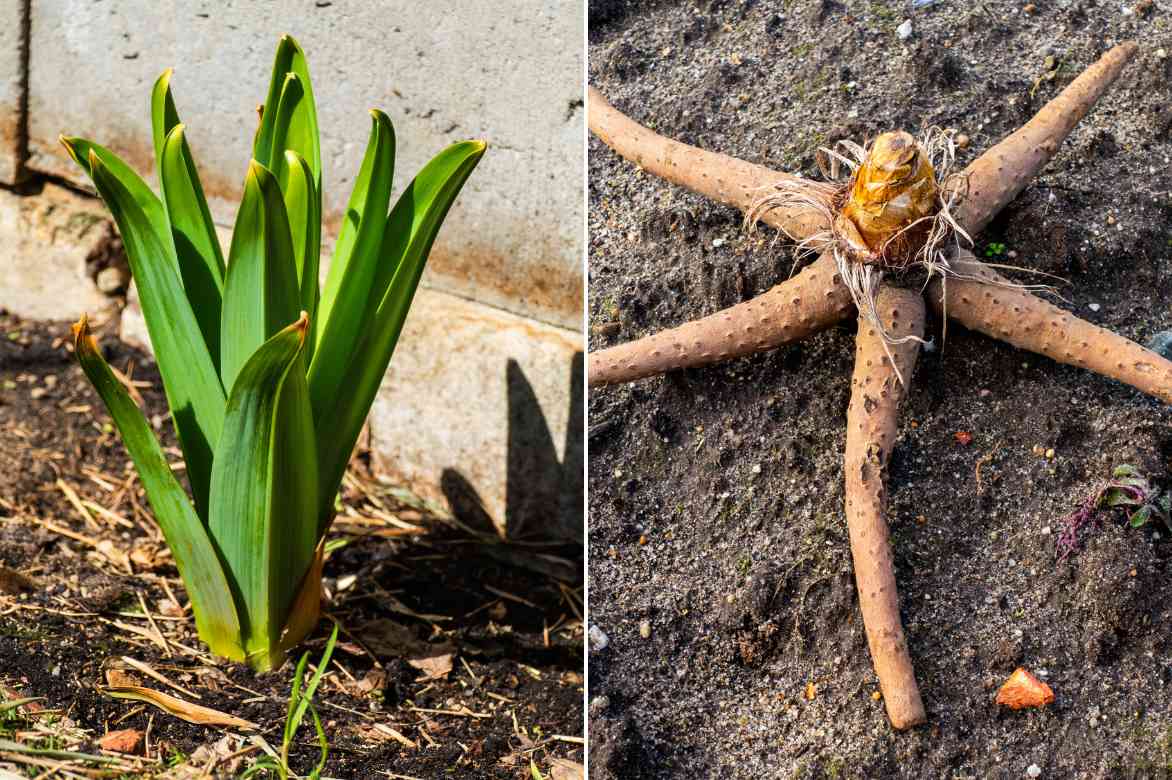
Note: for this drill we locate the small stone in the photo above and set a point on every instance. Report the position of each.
(756, 468)
(645, 629)
(962, 141)
(1094, 306)
(876, 695)
(717, 243)
(1030, 8)
(1050, 454)
(112, 280)
(598, 639)
(1046, 531)
(598, 705)
(1161, 54)
(38, 393)
(904, 31)
(1161, 344)
(986, 393)
(1110, 220)
(1033, 770)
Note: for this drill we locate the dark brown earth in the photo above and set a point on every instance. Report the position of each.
(397, 598)
(732, 477)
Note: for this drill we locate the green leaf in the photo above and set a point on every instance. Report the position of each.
(411, 229)
(197, 246)
(302, 125)
(1141, 516)
(303, 205)
(195, 555)
(1125, 470)
(305, 698)
(261, 294)
(82, 151)
(263, 494)
(291, 132)
(164, 116)
(1118, 497)
(344, 302)
(193, 388)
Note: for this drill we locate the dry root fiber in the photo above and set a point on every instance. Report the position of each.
(871, 423)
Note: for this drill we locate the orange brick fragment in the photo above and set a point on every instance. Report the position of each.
(124, 741)
(1023, 690)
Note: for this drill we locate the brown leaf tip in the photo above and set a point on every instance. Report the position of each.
(1023, 690)
(82, 337)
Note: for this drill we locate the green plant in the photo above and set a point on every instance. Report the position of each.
(1127, 489)
(994, 249)
(268, 379)
(300, 702)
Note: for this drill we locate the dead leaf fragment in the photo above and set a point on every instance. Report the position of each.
(118, 677)
(192, 713)
(1023, 690)
(434, 668)
(564, 769)
(169, 608)
(122, 741)
(811, 691)
(13, 582)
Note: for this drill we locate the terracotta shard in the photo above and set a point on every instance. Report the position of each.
(124, 741)
(1023, 690)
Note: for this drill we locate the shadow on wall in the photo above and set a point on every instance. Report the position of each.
(543, 496)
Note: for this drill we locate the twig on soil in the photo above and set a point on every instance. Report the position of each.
(75, 502)
(162, 638)
(150, 672)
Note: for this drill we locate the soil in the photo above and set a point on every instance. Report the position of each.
(514, 635)
(719, 566)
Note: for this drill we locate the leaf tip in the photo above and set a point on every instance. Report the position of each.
(256, 171)
(70, 144)
(82, 339)
(177, 132)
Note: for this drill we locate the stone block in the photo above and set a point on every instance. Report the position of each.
(512, 77)
(482, 410)
(12, 68)
(51, 241)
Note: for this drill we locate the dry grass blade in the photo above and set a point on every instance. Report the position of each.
(192, 713)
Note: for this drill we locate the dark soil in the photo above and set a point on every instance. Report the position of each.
(716, 494)
(58, 641)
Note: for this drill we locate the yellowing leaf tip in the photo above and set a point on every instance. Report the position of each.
(82, 339)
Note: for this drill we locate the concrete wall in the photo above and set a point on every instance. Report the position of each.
(12, 49)
(507, 266)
